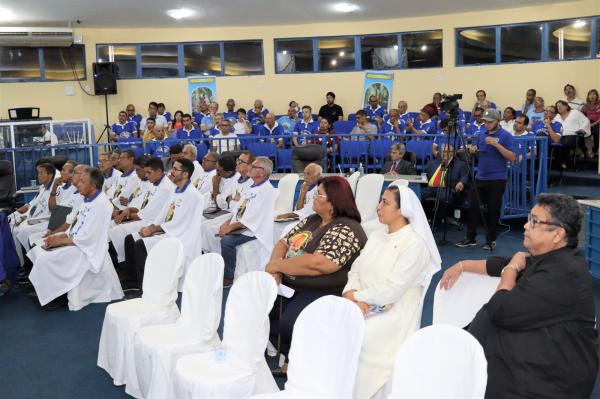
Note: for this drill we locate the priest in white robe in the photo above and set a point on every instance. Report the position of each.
(36, 209)
(109, 173)
(222, 184)
(202, 179)
(125, 185)
(181, 217)
(143, 209)
(61, 194)
(251, 220)
(65, 258)
(388, 282)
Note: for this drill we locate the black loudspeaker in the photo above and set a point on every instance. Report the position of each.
(105, 77)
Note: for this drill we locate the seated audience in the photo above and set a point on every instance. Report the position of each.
(188, 131)
(158, 146)
(394, 125)
(242, 125)
(538, 330)
(424, 124)
(203, 174)
(123, 129)
(208, 121)
(455, 139)
(132, 116)
(315, 256)
(387, 282)
(225, 140)
(159, 120)
(397, 165)
(149, 132)
(477, 126)
(176, 123)
(571, 96)
(231, 113)
(436, 104)
(536, 113)
(307, 126)
(324, 130)
(162, 110)
(547, 126)
(304, 204)
(257, 115)
(574, 124)
(60, 264)
(374, 111)
(482, 101)
(175, 152)
(200, 112)
(403, 110)
(591, 110)
(330, 110)
(272, 128)
(364, 127)
(126, 183)
(528, 105)
(222, 182)
(508, 119)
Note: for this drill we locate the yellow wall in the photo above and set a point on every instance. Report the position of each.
(505, 84)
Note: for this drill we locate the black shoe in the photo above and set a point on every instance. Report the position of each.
(24, 280)
(4, 287)
(489, 246)
(227, 282)
(33, 295)
(278, 373)
(132, 293)
(466, 243)
(58, 303)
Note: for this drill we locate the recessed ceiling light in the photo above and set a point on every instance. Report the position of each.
(6, 14)
(284, 52)
(180, 13)
(579, 24)
(423, 48)
(342, 53)
(395, 47)
(345, 7)
(334, 62)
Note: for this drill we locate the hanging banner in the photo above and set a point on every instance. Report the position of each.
(201, 88)
(378, 84)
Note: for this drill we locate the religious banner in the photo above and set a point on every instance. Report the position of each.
(201, 89)
(378, 84)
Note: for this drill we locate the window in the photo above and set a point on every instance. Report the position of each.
(243, 58)
(64, 63)
(336, 54)
(422, 49)
(123, 56)
(521, 43)
(159, 60)
(19, 63)
(202, 59)
(477, 46)
(379, 52)
(597, 37)
(569, 39)
(294, 56)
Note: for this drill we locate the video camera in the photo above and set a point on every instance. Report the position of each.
(450, 102)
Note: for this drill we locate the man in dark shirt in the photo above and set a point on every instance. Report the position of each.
(538, 330)
(331, 111)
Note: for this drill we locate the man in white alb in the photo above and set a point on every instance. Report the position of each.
(109, 173)
(126, 183)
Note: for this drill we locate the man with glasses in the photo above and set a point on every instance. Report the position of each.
(394, 125)
(251, 219)
(538, 330)
(304, 205)
(126, 183)
(132, 116)
(180, 217)
(548, 126)
(203, 174)
(225, 140)
(495, 148)
(109, 173)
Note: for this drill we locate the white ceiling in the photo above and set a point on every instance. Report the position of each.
(149, 13)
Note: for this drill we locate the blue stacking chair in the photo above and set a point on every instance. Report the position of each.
(422, 151)
(202, 150)
(351, 118)
(342, 127)
(263, 149)
(377, 151)
(284, 160)
(352, 153)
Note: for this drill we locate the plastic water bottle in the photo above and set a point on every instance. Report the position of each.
(361, 169)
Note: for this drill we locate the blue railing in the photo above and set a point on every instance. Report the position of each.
(528, 176)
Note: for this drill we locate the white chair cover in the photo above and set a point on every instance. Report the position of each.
(158, 347)
(248, 259)
(287, 188)
(440, 362)
(103, 286)
(242, 370)
(323, 357)
(353, 180)
(123, 320)
(458, 305)
(368, 192)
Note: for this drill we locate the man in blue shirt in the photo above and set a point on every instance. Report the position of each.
(495, 149)
(477, 126)
(132, 116)
(272, 128)
(394, 125)
(231, 113)
(423, 126)
(375, 112)
(547, 127)
(188, 131)
(200, 112)
(305, 127)
(258, 114)
(123, 128)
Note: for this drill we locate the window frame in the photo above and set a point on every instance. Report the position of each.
(357, 51)
(42, 65)
(544, 37)
(181, 57)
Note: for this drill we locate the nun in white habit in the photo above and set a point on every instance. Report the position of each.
(388, 282)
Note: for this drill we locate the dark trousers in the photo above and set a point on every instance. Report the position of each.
(448, 197)
(229, 245)
(490, 193)
(570, 143)
(135, 262)
(595, 133)
(282, 327)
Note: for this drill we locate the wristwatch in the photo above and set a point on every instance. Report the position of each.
(509, 266)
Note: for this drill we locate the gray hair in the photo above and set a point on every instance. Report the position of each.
(193, 148)
(266, 164)
(317, 167)
(96, 177)
(399, 147)
(564, 211)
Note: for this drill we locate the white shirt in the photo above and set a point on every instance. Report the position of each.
(111, 179)
(159, 120)
(228, 142)
(307, 208)
(65, 195)
(575, 103)
(124, 187)
(574, 122)
(508, 126)
(240, 127)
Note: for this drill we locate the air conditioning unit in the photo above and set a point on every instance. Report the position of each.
(36, 37)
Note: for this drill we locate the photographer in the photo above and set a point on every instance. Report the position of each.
(495, 148)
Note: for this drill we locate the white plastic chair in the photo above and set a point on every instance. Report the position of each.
(326, 343)
(239, 369)
(123, 320)
(439, 362)
(458, 305)
(287, 188)
(368, 192)
(353, 180)
(103, 286)
(158, 347)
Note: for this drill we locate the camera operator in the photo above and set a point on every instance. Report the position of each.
(494, 148)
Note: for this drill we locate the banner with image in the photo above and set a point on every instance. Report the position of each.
(201, 88)
(378, 84)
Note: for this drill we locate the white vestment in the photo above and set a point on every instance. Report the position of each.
(149, 203)
(203, 180)
(123, 187)
(110, 180)
(76, 201)
(307, 208)
(57, 271)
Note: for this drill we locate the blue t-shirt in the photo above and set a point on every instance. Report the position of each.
(287, 123)
(492, 165)
(231, 117)
(473, 129)
(193, 134)
(277, 130)
(128, 127)
(534, 116)
(199, 116)
(302, 128)
(455, 141)
(137, 119)
(388, 127)
(208, 121)
(253, 116)
(528, 145)
(428, 127)
(378, 112)
(539, 127)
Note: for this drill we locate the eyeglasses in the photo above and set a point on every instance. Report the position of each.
(533, 221)
(239, 161)
(257, 167)
(176, 169)
(324, 196)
